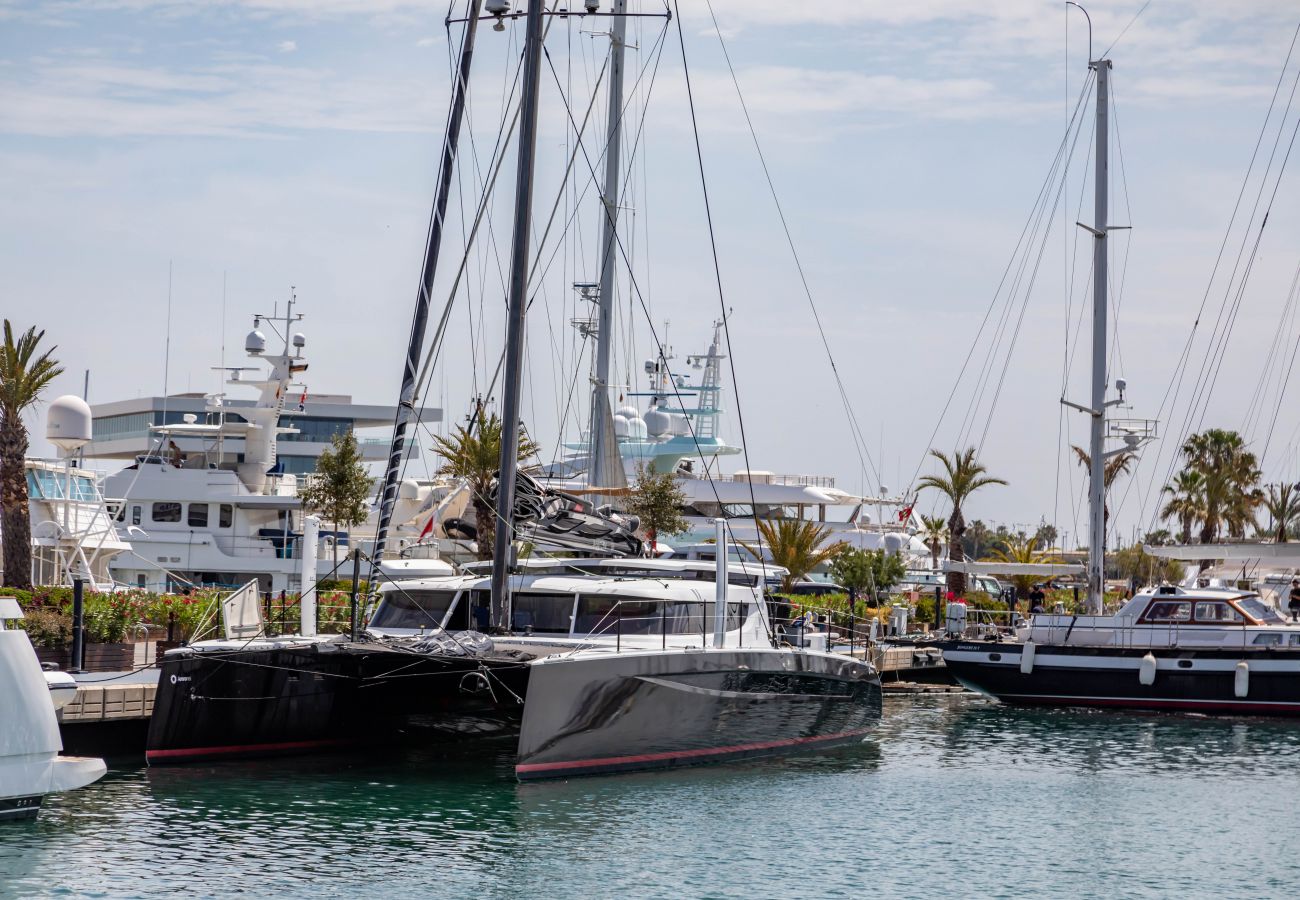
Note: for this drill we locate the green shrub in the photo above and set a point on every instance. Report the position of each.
(48, 628)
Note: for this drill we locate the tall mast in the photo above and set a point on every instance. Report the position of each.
(600, 455)
(518, 301)
(406, 401)
(1097, 436)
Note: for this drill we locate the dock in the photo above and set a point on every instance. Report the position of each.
(109, 715)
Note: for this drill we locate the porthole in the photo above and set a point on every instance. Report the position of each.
(995, 657)
(1184, 663)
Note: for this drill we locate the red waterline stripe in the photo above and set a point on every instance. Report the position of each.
(683, 754)
(233, 749)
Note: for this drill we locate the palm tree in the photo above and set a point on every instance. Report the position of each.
(23, 376)
(963, 475)
(932, 535)
(1186, 502)
(474, 454)
(1283, 505)
(797, 545)
(1119, 464)
(1231, 474)
(1021, 551)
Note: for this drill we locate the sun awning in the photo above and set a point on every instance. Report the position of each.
(1283, 554)
(989, 567)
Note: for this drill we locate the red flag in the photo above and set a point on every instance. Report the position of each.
(905, 513)
(428, 527)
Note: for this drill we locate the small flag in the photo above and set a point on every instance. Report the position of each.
(302, 401)
(905, 513)
(428, 527)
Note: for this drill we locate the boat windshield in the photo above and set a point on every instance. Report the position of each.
(1260, 611)
(412, 609)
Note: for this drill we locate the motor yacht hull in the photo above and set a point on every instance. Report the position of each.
(1264, 681)
(320, 696)
(599, 712)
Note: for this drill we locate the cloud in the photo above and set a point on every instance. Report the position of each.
(287, 46)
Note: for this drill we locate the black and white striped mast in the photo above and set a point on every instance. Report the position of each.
(518, 301)
(407, 399)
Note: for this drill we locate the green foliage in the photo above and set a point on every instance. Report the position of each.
(874, 571)
(1223, 477)
(1282, 502)
(1022, 551)
(1132, 563)
(48, 628)
(340, 486)
(963, 475)
(658, 501)
(24, 375)
(474, 454)
(796, 545)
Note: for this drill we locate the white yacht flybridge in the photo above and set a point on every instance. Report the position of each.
(219, 515)
(678, 432)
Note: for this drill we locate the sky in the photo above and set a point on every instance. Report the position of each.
(254, 147)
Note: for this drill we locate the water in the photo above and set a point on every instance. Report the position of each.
(954, 796)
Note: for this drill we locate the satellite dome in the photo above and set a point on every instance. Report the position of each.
(255, 343)
(636, 427)
(409, 489)
(620, 425)
(628, 412)
(67, 423)
(894, 543)
(658, 422)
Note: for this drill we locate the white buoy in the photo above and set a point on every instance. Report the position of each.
(307, 602)
(1027, 658)
(1241, 680)
(1147, 671)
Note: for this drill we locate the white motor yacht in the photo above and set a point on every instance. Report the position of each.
(30, 764)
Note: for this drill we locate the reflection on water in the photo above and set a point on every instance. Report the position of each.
(951, 794)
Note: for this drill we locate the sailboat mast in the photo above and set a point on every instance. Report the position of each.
(1097, 436)
(518, 301)
(597, 474)
(406, 400)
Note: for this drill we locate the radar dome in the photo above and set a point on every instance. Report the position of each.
(67, 424)
(620, 425)
(658, 422)
(255, 342)
(409, 489)
(636, 427)
(628, 412)
(894, 543)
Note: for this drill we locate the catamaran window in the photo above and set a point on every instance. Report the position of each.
(1268, 640)
(1216, 613)
(625, 615)
(1258, 609)
(198, 517)
(1167, 611)
(166, 512)
(225, 516)
(412, 609)
(546, 613)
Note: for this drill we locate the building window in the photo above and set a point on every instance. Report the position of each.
(135, 515)
(198, 515)
(226, 516)
(166, 512)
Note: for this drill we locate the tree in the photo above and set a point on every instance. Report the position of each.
(1283, 504)
(1022, 552)
(1231, 474)
(657, 500)
(1134, 564)
(1119, 464)
(796, 545)
(340, 487)
(963, 475)
(474, 454)
(24, 375)
(851, 567)
(1186, 503)
(932, 535)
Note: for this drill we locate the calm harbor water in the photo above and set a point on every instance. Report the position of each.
(955, 796)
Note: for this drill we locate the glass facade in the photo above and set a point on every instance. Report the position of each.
(314, 429)
(43, 484)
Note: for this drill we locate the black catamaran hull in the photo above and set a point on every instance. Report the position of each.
(1190, 680)
(291, 700)
(596, 713)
